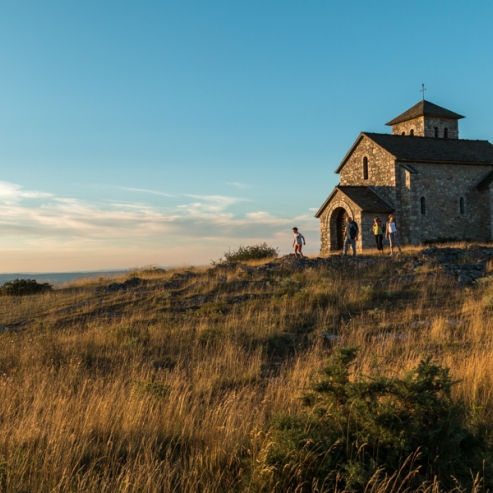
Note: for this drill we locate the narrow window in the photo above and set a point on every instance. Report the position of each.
(445, 133)
(436, 132)
(461, 205)
(403, 133)
(411, 133)
(423, 205)
(365, 168)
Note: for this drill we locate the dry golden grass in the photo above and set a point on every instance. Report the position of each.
(134, 392)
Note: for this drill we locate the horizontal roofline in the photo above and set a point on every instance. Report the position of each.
(482, 163)
(395, 121)
(370, 135)
(425, 108)
(423, 138)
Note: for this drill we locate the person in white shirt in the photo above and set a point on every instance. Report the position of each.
(391, 234)
(299, 239)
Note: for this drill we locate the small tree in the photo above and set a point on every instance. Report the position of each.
(255, 252)
(357, 429)
(22, 287)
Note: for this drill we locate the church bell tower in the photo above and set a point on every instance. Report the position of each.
(426, 119)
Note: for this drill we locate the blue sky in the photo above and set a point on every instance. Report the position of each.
(136, 133)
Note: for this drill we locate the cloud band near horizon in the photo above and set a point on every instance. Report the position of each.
(33, 220)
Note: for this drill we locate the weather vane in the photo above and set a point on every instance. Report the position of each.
(423, 89)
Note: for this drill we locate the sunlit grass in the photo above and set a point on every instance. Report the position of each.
(130, 391)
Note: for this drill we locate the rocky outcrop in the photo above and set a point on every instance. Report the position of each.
(133, 282)
(465, 265)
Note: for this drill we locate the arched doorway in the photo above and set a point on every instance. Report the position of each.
(338, 228)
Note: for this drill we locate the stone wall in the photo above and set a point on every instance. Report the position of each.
(408, 210)
(366, 229)
(442, 186)
(328, 228)
(425, 127)
(441, 124)
(404, 128)
(381, 170)
(488, 197)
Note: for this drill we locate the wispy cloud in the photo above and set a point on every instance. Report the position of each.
(10, 193)
(40, 231)
(237, 184)
(65, 217)
(145, 190)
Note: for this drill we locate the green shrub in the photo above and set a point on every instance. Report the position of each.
(150, 387)
(255, 252)
(22, 287)
(356, 429)
(129, 336)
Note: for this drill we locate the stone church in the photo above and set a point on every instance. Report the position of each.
(438, 186)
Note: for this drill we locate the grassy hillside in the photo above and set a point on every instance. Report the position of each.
(175, 380)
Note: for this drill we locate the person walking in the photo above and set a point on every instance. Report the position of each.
(298, 241)
(391, 234)
(351, 235)
(377, 230)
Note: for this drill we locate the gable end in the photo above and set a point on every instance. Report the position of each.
(354, 147)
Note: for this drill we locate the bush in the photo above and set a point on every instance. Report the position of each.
(355, 431)
(22, 287)
(256, 252)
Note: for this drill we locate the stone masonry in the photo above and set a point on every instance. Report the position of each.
(438, 186)
(422, 127)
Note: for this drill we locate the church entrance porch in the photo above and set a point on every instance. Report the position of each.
(338, 228)
(358, 202)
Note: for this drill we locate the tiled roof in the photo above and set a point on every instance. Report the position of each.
(485, 182)
(424, 108)
(429, 149)
(364, 197)
(409, 168)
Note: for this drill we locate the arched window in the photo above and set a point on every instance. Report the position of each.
(423, 205)
(411, 133)
(436, 132)
(445, 133)
(365, 168)
(403, 133)
(461, 205)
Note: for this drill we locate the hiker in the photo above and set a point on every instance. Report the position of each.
(351, 235)
(297, 242)
(377, 230)
(391, 234)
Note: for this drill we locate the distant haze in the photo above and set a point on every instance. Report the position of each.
(57, 277)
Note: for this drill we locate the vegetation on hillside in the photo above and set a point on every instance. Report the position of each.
(23, 287)
(242, 377)
(245, 253)
(354, 431)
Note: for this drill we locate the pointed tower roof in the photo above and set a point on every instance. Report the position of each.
(425, 108)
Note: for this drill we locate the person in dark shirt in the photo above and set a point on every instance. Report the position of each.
(352, 231)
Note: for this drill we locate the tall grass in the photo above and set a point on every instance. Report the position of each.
(135, 392)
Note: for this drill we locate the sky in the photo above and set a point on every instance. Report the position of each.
(168, 132)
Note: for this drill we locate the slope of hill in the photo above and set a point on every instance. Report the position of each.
(172, 380)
